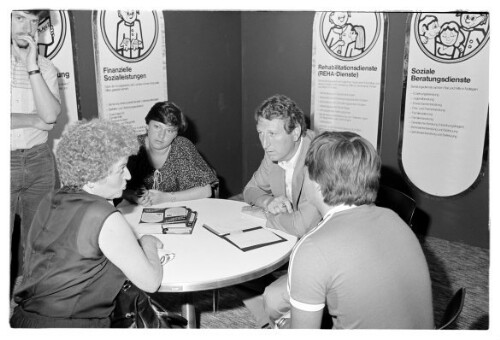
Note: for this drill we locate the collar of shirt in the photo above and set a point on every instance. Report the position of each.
(334, 210)
(289, 167)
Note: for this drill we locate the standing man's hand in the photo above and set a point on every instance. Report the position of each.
(29, 55)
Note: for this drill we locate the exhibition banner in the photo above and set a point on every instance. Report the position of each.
(347, 72)
(131, 66)
(445, 101)
(55, 43)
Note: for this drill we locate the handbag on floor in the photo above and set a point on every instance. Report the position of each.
(134, 308)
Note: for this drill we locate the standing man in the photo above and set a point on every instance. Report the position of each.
(276, 188)
(361, 262)
(35, 105)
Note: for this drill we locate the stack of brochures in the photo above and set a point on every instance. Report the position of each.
(174, 220)
(247, 238)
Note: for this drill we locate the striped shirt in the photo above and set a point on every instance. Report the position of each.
(22, 100)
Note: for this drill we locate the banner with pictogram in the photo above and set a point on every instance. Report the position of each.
(445, 101)
(131, 66)
(347, 72)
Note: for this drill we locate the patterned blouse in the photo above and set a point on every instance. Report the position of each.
(184, 168)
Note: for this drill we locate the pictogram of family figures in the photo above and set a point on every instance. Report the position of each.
(343, 38)
(452, 40)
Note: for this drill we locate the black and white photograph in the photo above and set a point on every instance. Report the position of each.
(252, 170)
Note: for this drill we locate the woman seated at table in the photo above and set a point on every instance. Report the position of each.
(80, 249)
(168, 167)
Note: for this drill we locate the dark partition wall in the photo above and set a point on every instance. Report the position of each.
(204, 79)
(276, 58)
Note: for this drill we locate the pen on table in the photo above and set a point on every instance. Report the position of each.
(231, 233)
(213, 230)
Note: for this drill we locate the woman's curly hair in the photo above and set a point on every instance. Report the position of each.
(88, 150)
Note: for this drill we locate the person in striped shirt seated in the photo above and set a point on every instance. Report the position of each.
(361, 262)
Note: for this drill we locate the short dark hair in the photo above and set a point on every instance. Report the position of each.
(346, 166)
(282, 107)
(40, 13)
(167, 113)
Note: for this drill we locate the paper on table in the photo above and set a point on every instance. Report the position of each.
(252, 238)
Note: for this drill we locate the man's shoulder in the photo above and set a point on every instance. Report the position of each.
(306, 142)
(320, 242)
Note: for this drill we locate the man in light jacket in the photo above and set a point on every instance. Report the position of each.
(275, 189)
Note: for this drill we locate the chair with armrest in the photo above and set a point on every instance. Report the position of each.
(397, 201)
(215, 185)
(215, 293)
(453, 309)
(215, 189)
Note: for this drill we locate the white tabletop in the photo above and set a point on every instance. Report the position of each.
(204, 260)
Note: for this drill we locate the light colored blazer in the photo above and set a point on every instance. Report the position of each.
(269, 181)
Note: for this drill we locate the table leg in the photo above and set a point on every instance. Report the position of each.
(188, 310)
(215, 300)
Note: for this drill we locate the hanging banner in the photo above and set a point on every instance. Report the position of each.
(131, 67)
(347, 72)
(445, 101)
(55, 43)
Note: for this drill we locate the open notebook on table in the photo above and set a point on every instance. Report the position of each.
(247, 238)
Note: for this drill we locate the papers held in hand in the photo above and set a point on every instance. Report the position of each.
(175, 220)
(247, 239)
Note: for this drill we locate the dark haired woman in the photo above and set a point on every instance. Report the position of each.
(168, 167)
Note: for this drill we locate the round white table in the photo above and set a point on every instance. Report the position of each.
(203, 260)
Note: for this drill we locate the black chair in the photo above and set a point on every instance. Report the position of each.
(215, 292)
(397, 201)
(215, 185)
(215, 189)
(453, 309)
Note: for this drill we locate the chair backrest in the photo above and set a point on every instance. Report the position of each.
(215, 185)
(399, 202)
(215, 189)
(453, 309)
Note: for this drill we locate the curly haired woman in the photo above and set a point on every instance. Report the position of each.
(80, 249)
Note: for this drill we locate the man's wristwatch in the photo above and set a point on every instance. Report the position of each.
(34, 72)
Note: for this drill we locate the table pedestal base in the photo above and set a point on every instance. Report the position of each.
(188, 310)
